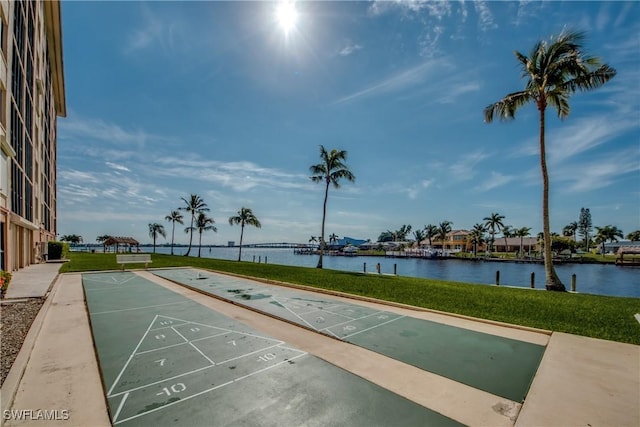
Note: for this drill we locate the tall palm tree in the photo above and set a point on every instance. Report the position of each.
(174, 217)
(330, 171)
(193, 205)
(443, 229)
(476, 237)
(507, 232)
(522, 232)
(554, 71)
(156, 230)
(570, 230)
(245, 217)
(608, 232)
(202, 223)
(493, 223)
(430, 231)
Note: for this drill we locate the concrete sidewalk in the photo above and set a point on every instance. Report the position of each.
(580, 381)
(33, 281)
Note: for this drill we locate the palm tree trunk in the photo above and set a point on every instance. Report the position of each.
(324, 215)
(190, 235)
(154, 243)
(241, 235)
(552, 281)
(173, 233)
(199, 244)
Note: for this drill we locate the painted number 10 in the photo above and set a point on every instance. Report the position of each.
(176, 388)
(267, 357)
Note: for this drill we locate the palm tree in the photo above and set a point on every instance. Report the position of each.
(194, 205)
(245, 217)
(102, 239)
(156, 230)
(507, 232)
(419, 236)
(522, 233)
(476, 237)
(554, 71)
(493, 224)
(174, 217)
(330, 171)
(443, 229)
(570, 230)
(634, 236)
(333, 238)
(202, 223)
(608, 232)
(74, 239)
(430, 231)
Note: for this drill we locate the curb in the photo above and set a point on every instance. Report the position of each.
(12, 382)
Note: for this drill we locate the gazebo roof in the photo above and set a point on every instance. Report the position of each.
(622, 250)
(121, 241)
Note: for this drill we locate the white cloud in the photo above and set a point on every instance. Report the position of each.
(599, 173)
(463, 168)
(398, 82)
(485, 17)
(349, 48)
(580, 136)
(239, 176)
(118, 167)
(496, 179)
(76, 127)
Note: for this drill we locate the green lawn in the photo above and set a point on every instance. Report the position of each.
(604, 317)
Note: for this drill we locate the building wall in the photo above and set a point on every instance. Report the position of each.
(31, 98)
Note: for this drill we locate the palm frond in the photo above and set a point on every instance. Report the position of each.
(505, 109)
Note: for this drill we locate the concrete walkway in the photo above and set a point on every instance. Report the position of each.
(33, 281)
(581, 381)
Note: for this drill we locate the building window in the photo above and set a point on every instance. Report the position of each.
(3, 36)
(4, 173)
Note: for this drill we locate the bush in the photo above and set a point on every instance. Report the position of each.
(5, 278)
(58, 250)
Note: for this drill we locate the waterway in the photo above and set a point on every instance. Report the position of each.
(600, 279)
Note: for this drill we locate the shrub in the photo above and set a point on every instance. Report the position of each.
(58, 250)
(5, 278)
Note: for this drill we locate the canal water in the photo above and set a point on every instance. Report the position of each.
(601, 279)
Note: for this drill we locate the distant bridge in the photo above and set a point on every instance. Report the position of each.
(278, 245)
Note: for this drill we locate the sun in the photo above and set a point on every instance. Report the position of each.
(286, 16)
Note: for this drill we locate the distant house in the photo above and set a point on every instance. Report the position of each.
(613, 247)
(341, 243)
(513, 244)
(457, 240)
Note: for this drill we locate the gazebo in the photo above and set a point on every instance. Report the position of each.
(126, 242)
(627, 250)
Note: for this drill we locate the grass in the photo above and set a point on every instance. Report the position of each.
(605, 317)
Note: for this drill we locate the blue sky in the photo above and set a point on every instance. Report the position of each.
(166, 99)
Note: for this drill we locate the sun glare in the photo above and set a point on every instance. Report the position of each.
(286, 16)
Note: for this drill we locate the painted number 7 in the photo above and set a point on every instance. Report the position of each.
(161, 361)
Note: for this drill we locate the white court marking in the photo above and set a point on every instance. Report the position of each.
(160, 319)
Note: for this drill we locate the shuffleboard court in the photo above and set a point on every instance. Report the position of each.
(502, 366)
(169, 361)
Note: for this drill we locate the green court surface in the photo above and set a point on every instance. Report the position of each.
(502, 366)
(169, 361)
